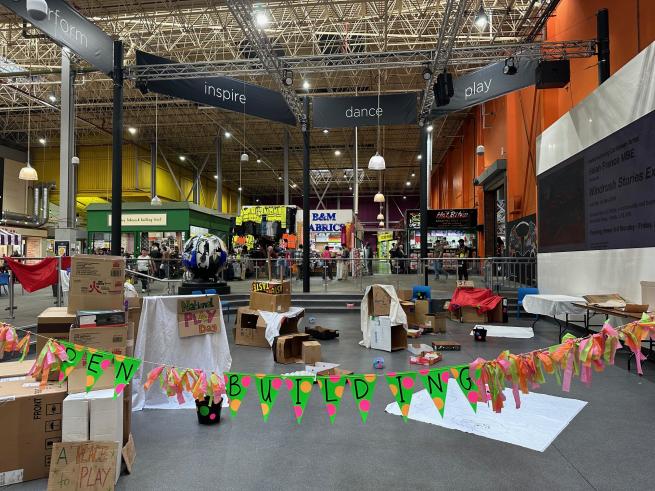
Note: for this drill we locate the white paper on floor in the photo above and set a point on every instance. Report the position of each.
(507, 332)
(535, 425)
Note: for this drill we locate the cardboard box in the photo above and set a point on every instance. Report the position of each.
(270, 302)
(426, 358)
(15, 370)
(93, 467)
(127, 413)
(288, 349)
(446, 346)
(404, 294)
(437, 322)
(385, 336)
(273, 287)
(250, 327)
(496, 315)
(379, 301)
(94, 416)
(31, 421)
(311, 352)
(96, 283)
(54, 322)
(414, 333)
(418, 348)
(134, 306)
(322, 369)
(110, 339)
(471, 315)
(416, 312)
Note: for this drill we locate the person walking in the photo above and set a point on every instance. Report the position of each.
(438, 263)
(368, 254)
(345, 262)
(327, 263)
(463, 253)
(401, 257)
(297, 257)
(144, 266)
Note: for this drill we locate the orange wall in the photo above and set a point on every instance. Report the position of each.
(508, 126)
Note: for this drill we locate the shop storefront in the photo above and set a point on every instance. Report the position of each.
(170, 224)
(449, 226)
(27, 242)
(267, 225)
(330, 228)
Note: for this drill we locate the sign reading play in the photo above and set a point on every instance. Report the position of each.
(226, 93)
(486, 84)
(66, 26)
(198, 315)
(348, 112)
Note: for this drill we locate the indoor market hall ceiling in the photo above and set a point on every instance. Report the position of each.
(300, 32)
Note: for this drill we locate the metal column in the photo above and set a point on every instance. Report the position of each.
(66, 140)
(153, 170)
(219, 173)
(117, 150)
(603, 44)
(356, 177)
(305, 200)
(285, 176)
(425, 149)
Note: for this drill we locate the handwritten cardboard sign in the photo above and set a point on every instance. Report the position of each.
(83, 465)
(198, 315)
(272, 287)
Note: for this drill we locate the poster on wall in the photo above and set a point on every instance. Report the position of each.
(522, 237)
(602, 197)
(62, 248)
(450, 219)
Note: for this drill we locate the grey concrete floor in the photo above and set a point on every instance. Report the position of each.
(605, 447)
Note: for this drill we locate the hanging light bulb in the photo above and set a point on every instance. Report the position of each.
(381, 224)
(380, 216)
(376, 162)
(379, 197)
(155, 201)
(244, 157)
(28, 173)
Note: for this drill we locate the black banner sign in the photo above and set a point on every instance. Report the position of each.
(226, 93)
(66, 26)
(488, 83)
(348, 112)
(453, 219)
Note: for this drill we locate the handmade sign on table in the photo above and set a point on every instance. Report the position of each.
(198, 315)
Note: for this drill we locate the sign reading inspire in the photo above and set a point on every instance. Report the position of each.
(198, 315)
(141, 219)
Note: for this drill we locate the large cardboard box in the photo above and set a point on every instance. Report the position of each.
(271, 287)
(31, 424)
(416, 312)
(110, 339)
(404, 294)
(134, 305)
(311, 352)
(55, 323)
(15, 370)
(386, 336)
(437, 321)
(270, 302)
(496, 315)
(96, 283)
(288, 349)
(250, 327)
(379, 301)
(471, 315)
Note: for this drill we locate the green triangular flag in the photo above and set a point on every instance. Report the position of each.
(268, 387)
(461, 374)
(363, 387)
(332, 388)
(236, 388)
(436, 383)
(124, 369)
(300, 388)
(96, 363)
(401, 385)
(75, 354)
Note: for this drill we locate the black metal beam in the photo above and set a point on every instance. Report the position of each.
(117, 151)
(305, 199)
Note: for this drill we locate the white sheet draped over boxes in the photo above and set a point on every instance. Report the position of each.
(158, 341)
(396, 313)
(274, 321)
(552, 305)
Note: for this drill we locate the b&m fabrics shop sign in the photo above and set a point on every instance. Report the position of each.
(326, 225)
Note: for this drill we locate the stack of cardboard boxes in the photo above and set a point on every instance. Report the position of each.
(419, 315)
(34, 418)
(385, 335)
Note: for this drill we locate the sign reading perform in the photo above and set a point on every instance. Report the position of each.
(198, 315)
(83, 465)
(68, 27)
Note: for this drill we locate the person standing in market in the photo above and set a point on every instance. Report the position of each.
(297, 257)
(144, 266)
(463, 254)
(438, 263)
(327, 263)
(345, 262)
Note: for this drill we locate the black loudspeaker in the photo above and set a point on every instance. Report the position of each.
(443, 89)
(553, 74)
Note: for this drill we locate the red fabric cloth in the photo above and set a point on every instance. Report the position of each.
(33, 277)
(481, 298)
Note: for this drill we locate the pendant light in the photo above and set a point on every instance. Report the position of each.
(380, 216)
(377, 161)
(28, 173)
(381, 224)
(379, 197)
(156, 200)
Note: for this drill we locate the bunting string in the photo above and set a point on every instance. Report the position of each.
(481, 381)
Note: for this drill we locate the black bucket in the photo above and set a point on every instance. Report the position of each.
(480, 334)
(209, 414)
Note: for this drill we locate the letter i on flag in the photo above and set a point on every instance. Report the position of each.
(75, 354)
(124, 369)
(401, 386)
(363, 388)
(300, 389)
(236, 387)
(436, 383)
(332, 388)
(461, 374)
(96, 364)
(268, 387)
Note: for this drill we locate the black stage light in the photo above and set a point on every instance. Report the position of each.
(510, 67)
(287, 78)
